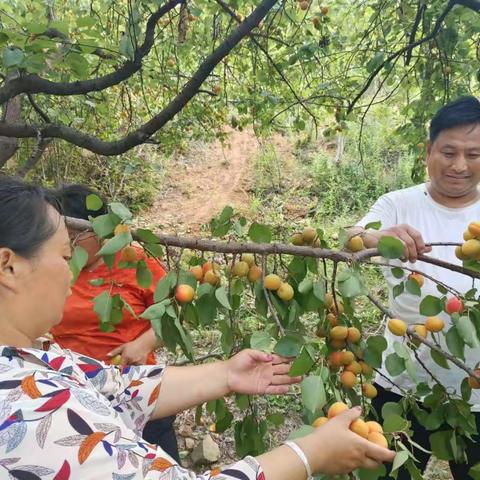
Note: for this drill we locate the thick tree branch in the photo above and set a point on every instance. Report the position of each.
(36, 84)
(411, 40)
(143, 133)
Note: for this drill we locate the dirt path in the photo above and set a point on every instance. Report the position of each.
(201, 184)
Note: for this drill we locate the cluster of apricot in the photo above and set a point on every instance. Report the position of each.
(307, 237)
(350, 360)
(283, 289)
(470, 249)
(370, 430)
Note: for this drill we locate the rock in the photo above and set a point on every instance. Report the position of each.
(207, 451)
(185, 430)
(189, 443)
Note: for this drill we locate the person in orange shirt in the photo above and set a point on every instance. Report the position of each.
(133, 338)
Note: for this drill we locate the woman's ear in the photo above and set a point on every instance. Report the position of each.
(8, 270)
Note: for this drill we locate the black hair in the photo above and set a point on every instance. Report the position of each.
(25, 224)
(73, 199)
(462, 111)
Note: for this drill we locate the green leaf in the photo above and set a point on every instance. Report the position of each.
(398, 290)
(221, 296)
(390, 247)
(373, 225)
(350, 284)
(302, 364)
(102, 306)
(430, 306)
(157, 310)
(12, 57)
(305, 285)
(94, 202)
(162, 290)
(395, 423)
(397, 272)
(467, 331)
(379, 472)
(289, 345)
(261, 340)
(412, 287)
(121, 211)
(115, 244)
(146, 236)
(474, 472)
(313, 393)
(319, 290)
(376, 345)
(440, 444)
(77, 262)
(400, 458)
(104, 225)
(143, 274)
(439, 359)
(394, 364)
(276, 419)
(260, 233)
(455, 343)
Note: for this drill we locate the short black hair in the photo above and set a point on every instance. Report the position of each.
(462, 111)
(73, 199)
(25, 224)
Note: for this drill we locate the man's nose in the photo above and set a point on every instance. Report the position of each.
(460, 163)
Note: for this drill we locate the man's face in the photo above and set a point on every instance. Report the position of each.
(453, 161)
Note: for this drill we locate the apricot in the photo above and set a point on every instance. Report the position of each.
(297, 239)
(316, 21)
(285, 291)
(359, 427)
(459, 253)
(116, 360)
(336, 409)
(324, 11)
(354, 335)
(335, 359)
(354, 367)
(366, 368)
(309, 234)
(212, 428)
(197, 272)
(255, 273)
(121, 228)
(397, 327)
(332, 319)
(355, 244)
(129, 254)
(184, 293)
(434, 324)
(454, 305)
(329, 300)
(170, 62)
(473, 382)
(347, 358)
(338, 310)
(348, 379)
(240, 269)
(211, 277)
(467, 235)
(337, 344)
(369, 390)
(374, 427)
(211, 266)
(339, 333)
(216, 89)
(378, 439)
(320, 332)
(420, 330)
(318, 422)
(471, 248)
(272, 282)
(474, 229)
(417, 277)
(304, 5)
(248, 258)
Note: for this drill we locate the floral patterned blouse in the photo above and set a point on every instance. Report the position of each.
(65, 416)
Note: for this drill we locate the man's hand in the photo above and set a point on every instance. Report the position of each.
(411, 239)
(253, 372)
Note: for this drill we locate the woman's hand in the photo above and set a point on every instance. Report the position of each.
(334, 449)
(254, 373)
(136, 352)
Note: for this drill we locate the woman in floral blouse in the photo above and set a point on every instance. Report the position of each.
(66, 416)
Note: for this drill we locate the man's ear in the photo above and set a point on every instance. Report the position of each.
(8, 267)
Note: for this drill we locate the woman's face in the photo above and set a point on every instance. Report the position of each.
(89, 242)
(44, 282)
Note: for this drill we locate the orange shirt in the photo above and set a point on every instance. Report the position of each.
(79, 330)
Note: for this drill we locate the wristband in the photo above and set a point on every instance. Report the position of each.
(302, 457)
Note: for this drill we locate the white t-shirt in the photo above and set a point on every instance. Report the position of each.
(415, 207)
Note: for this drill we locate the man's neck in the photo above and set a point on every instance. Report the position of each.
(453, 202)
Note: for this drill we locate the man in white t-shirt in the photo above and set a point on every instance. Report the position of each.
(437, 211)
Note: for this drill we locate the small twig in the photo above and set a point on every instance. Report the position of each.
(267, 297)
